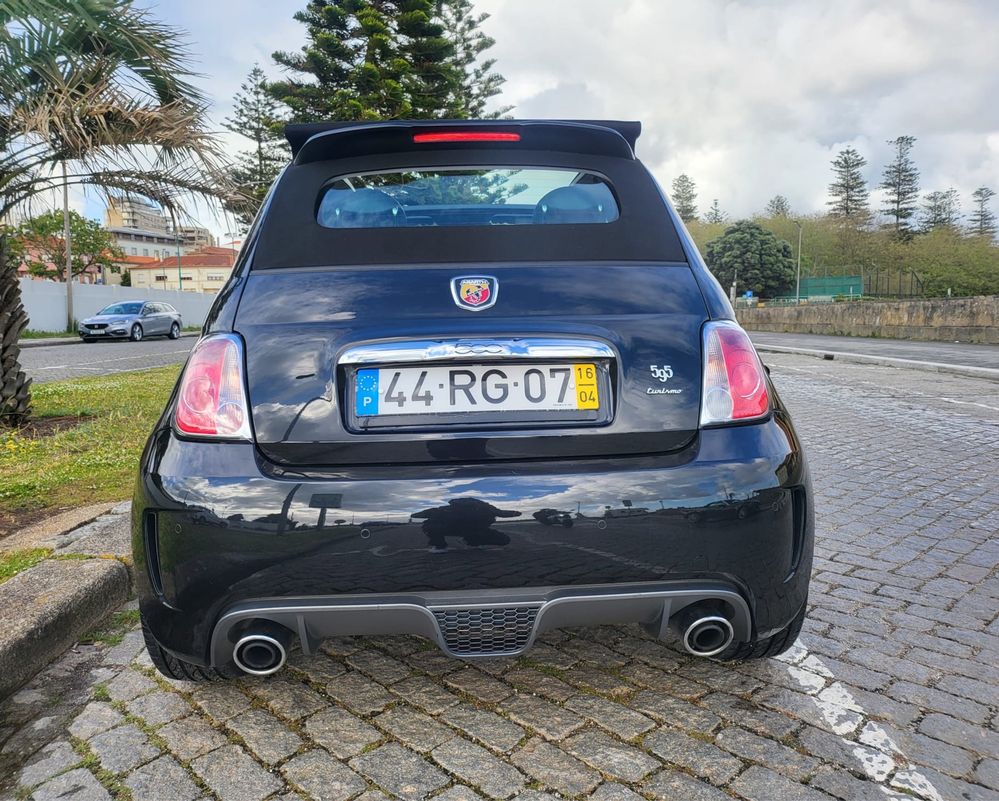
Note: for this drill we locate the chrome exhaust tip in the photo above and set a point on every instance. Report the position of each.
(708, 635)
(260, 654)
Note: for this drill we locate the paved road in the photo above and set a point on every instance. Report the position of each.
(940, 352)
(891, 692)
(100, 358)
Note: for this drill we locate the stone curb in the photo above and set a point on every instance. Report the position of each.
(987, 373)
(47, 341)
(44, 610)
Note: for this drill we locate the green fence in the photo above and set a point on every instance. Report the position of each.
(832, 285)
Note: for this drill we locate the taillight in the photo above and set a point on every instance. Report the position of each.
(467, 136)
(735, 387)
(212, 399)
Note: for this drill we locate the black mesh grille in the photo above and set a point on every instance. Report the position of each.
(488, 630)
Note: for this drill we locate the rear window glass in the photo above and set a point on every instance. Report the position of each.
(466, 196)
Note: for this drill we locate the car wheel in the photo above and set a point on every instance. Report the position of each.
(767, 647)
(136, 335)
(175, 331)
(174, 668)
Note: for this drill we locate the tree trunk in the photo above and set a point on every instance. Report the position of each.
(15, 386)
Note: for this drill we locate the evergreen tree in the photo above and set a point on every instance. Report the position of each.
(256, 116)
(941, 210)
(762, 261)
(368, 60)
(848, 192)
(715, 214)
(982, 221)
(685, 197)
(476, 81)
(779, 206)
(901, 185)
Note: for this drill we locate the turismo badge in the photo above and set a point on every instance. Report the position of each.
(474, 292)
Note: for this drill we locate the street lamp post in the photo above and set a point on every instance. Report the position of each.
(797, 285)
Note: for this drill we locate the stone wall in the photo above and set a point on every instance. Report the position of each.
(934, 320)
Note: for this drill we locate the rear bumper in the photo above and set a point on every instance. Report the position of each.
(221, 536)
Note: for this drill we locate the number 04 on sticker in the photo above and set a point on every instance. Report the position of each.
(476, 388)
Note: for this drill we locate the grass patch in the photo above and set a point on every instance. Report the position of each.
(92, 462)
(29, 334)
(13, 563)
(113, 631)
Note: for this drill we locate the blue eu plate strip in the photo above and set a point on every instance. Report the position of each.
(366, 393)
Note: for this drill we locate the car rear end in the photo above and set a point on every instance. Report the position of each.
(469, 381)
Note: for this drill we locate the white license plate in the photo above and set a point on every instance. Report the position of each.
(437, 389)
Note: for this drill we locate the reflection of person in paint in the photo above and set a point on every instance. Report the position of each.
(468, 518)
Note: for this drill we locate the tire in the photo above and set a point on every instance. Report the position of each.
(774, 645)
(174, 331)
(174, 668)
(136, 335)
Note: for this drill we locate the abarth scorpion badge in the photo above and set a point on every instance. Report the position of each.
(474, 292)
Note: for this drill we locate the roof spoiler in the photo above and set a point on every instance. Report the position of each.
(325, 140)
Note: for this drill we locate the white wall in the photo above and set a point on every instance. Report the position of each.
(45, 302)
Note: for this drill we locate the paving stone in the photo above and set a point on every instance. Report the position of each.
(288, 698)
(435, 662)
(97, 716)
(846, 787)
(78, 785)
(400, 771)
(550, 721)
(674, 712)
(233, 776)
(159, 707)
(381, 667)
(961, 734)
(190, 737)
(668, 683)
(129, 684)
(915, 780)
(589, 678)
(987, 773)
(555, 768)
(921, 749)
(588, 651)
(340, 732)
(322, 777)
(474, 764)
(540, 684)
(739, 711)
(488, 728)
(318, 667)
(938, 701)
(123, 748)
(426, 694)
(611, 791)
(221, 701)
(359, 694)
(750, 746)
(700, 758)
(267, 737)
(615, 718)
(414, 729)
(161, 780)
(760, 784)
(610, 756)
(478, 684)
(54, 758)
(672, 785)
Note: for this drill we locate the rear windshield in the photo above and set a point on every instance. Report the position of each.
(467, 196)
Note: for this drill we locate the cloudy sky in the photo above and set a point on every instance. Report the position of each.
(748, 98)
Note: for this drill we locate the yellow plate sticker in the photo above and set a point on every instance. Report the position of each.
(586, 386)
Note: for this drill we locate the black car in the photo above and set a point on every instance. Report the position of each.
(469, 381)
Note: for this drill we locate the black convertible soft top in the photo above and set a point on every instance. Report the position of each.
(290, 236)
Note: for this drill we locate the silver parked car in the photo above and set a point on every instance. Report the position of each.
(133, 319)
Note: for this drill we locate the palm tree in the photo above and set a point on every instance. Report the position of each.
(15, 386)
(98, 93)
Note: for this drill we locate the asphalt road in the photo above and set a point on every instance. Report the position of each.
(57, 362)
(892, 691)
(956, 353)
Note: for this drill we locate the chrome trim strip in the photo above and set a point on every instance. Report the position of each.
(430, 350)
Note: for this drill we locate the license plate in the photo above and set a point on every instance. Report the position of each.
(497, 388)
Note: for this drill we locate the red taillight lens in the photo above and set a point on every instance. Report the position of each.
(735, 387)
(467, 136)
(211, 401)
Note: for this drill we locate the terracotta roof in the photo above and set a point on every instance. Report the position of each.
(206, 257)
(137, 260)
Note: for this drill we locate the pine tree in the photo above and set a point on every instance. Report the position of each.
(848, 193)
(941, 210)
(901, 185)
(368, 60)
(715, 214)
(477, 82)
(684, 197)
(779, 206)
(257, 116)
(982, 221)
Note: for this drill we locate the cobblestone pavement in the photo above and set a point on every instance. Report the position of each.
(892, 691)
